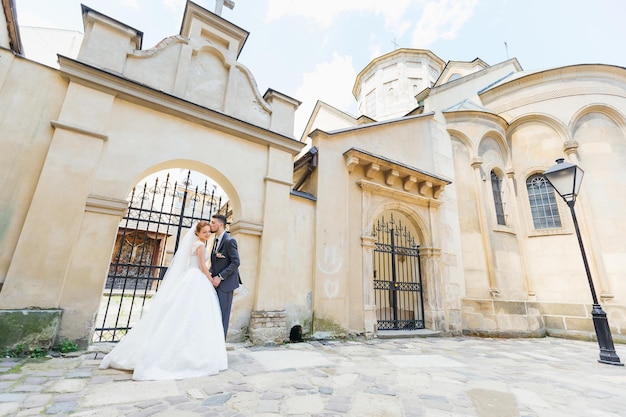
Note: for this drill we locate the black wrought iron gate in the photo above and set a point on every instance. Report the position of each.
(157, 215)
(397, 278)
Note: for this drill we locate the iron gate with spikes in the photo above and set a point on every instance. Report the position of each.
(397, 278)
(156, 217)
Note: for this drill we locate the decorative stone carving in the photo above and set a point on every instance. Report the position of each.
(428, 185)
(371, 170)
(391, 176)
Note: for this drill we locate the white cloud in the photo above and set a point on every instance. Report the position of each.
(174, 5)
(330, 82)
(326, 11)
(374, 47)
(133, 4)
(441, 19)
(26, 17)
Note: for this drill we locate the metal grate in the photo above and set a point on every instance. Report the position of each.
(148, 234)
(397, 278)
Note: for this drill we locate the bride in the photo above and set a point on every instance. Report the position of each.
(181, 335)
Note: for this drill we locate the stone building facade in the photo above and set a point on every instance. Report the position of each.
(444, 161)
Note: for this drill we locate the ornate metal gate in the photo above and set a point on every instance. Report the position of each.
(397, 278)
(151, 229)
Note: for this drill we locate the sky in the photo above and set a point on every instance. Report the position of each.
(313, 50)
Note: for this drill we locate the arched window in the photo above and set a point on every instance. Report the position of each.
(496, 188)
(542, 203)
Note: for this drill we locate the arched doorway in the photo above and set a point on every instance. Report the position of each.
(397, 276)
(161, 208)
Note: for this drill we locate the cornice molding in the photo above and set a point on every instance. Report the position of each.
(397, 194)
(279, 181)
(393, 172)
(106, 205)
(555, 94)
(77, 129)
(247, 228)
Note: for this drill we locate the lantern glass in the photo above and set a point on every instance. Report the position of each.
(565, 178)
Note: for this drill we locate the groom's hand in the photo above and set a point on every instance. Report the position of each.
(215, 281)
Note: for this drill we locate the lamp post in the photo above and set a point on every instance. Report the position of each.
(566, 178)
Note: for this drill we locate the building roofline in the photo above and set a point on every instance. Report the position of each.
(15, 41)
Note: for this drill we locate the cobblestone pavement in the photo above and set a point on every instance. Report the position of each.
(430, 377)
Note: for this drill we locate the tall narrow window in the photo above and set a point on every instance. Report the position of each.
(542, 203)
(496, 187)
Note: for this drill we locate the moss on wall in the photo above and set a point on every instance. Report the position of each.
(30, 328)
(324, 328)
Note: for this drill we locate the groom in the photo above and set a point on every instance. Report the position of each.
(224, 266)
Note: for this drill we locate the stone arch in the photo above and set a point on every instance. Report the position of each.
(491, 152)
(465, 140)
(502, 146)
(538, 118)
(164, 203)
(200, 167)
(416, 222)
(618, 117)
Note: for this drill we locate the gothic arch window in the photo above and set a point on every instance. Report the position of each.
(496, 188)
(542, 201)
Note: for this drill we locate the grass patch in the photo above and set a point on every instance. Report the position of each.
(21, 351)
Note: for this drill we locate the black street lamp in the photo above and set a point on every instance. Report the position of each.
(566, 178)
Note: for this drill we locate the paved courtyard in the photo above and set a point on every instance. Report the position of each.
(430, 377)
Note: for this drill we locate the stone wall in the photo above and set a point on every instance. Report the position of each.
(495, 318)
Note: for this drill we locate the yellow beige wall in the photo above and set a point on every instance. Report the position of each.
(76, 141)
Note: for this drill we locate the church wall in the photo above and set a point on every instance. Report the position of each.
(496, 287)
(75, 142)
(92, 145)
(331, 301)
(357, 288)
(531, 143)
(602, 155)
(549, 248)
(24, 141)
(475, 273)
(508, 268)
(300, 264)
(341, 291)
(447, 234)
(579, 119)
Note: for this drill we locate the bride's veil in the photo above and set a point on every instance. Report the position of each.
(179, 264)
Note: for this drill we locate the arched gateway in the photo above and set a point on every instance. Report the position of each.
(161, 209)
(125, 113)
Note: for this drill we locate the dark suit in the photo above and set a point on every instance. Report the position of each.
(227, 266)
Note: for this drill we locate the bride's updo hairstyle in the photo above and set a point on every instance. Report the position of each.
(201, 224)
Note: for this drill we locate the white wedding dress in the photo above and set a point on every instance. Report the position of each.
(181, 334)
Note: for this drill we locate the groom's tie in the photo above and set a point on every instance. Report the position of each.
(215, 243)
